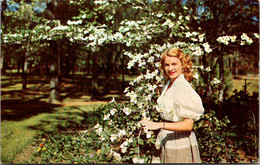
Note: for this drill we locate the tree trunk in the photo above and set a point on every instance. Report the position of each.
(2, 64)
(221, 86)
(18, 65)
(236, 65)
(123, 74)
(54, 72)
(53, 84)
(25, 68)
(94, 82)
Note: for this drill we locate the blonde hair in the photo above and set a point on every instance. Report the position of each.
(185, 61)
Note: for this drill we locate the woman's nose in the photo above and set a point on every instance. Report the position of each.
(171, 68)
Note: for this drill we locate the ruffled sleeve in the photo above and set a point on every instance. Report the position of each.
(188, 104)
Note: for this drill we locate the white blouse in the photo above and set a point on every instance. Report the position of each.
(180, 101)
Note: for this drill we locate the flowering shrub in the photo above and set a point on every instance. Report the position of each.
(69, 147)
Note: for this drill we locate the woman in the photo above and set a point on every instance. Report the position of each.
(179, 105)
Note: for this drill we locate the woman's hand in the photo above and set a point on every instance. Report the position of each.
(151, 125)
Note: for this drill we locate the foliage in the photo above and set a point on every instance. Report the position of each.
(214, 139)
(69, 147)
(244, 107)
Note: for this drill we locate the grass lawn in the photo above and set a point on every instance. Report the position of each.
(25, 113)
(252, 83)
(17, 134)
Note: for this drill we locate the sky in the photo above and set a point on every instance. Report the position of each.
(13, 6)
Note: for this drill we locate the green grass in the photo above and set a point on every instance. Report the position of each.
(15, 135)
(252, 85)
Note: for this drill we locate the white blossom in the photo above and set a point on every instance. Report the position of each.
(146, 129)
(224, 39)
(207, 47)
(197, 52)
(233, 38)
(201, 37)
(256, 35)
(151, 59)
(113, 137)
(102, 138)
(196, 75)
(136, 160)
(246, 38)
(159, 15)
(110, 122)
(127, 111)
(113, 111)
(117, 156)
(215, 81)
(121, 133)
(106, 117)
(208, 69)
(96, 126)
(242, 43)
(113, 100)
(133, 97)
(188, 34)
(99, 130)
(124, 149)
(148, 134)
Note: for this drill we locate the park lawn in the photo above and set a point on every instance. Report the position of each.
(15, 135)
(252, 84)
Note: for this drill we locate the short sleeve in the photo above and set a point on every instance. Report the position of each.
(188, 104)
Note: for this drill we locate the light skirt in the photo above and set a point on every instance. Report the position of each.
(177, 147)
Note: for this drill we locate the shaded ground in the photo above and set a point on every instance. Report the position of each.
(18, 104)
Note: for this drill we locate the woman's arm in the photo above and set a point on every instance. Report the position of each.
(183, 126)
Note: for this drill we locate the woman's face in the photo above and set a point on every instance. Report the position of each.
(172, 67)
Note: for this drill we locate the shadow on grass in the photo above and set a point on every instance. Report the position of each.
(17, 109)
(18, 104)
(74, 118)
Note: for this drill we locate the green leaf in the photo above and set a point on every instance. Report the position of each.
(140, 141)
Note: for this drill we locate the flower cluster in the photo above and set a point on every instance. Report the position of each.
(125, 144)
(207, 47)
(215, 81)
(226, 39)
(136, 160)
(246, 39)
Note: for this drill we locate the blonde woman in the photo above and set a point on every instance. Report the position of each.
(179, 106)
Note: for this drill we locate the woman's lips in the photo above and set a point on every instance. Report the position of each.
(171, 73)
